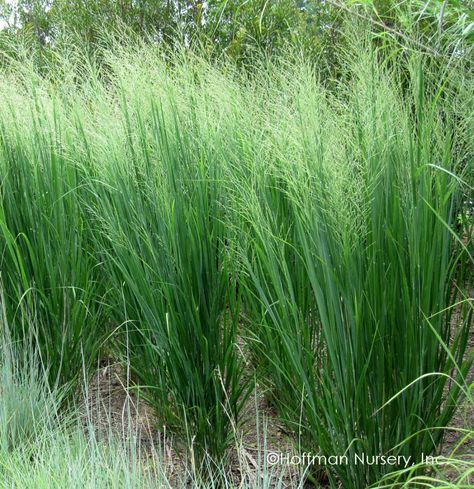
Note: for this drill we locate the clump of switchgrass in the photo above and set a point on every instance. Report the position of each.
(162, 211)
(48, 267)
(353, 259)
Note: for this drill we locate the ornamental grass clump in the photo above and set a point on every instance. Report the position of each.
(207, 223)
(48, 266)
(371, 359)
(162, 209)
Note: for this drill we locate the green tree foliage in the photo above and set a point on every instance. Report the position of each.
(239, 27)
(234, 27)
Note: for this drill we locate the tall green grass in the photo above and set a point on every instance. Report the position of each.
(163, 209)
(312, 233)
(47, 262)
(367, 183)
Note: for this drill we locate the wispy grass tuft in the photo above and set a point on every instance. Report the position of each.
(163, 212)
(353, 258)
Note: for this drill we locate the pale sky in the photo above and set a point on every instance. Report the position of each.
(3, 23)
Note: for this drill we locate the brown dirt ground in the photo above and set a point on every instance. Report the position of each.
(113, 408)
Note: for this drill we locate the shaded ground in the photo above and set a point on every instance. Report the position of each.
(112, 407)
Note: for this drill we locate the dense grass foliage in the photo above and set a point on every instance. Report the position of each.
(163, 209)
(48, 268)
(318, 236)
(364, 217)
